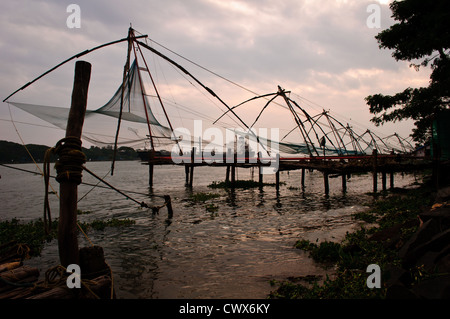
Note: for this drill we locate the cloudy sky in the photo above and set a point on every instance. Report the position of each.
(321, 50)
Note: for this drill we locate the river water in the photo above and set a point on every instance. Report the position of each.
(232, 251)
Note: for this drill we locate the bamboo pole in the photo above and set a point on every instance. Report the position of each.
(67, 228)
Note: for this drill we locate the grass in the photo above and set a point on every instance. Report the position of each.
(352, 256)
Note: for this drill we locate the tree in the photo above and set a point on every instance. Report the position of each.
(421, 34)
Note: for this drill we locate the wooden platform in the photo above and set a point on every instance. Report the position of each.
(333, 166)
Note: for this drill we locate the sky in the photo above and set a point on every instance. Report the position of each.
(323, 51)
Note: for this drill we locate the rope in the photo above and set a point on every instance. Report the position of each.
(68, 168)
(155, 209)
(71, 158)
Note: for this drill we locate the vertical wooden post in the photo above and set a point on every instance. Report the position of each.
(233, 174)
(151, 157)
(326, 184)
(260, 176)
(303, 178)
(67, 227)
(227, 175)
(391, 179)
(277, 179)
(169, 205)
(191, 177)
(260, 170)
(344, 182)
(383, 180)
(374, 172)
(186, 171)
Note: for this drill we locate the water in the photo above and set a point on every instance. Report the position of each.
(233, 252)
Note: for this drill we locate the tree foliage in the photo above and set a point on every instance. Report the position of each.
(421, 34)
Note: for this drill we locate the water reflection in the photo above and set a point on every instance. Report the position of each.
(230, 252)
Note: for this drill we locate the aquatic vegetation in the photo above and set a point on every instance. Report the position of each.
(241, 184)
(34, 236)
(102, 224)
(203, 197)
(360, 249)
(31, 233)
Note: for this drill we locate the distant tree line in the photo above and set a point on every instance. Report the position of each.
(11, 152)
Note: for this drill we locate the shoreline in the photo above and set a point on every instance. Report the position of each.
(406, 234)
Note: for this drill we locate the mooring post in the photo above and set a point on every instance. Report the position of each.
(374, 173)
(68, 189)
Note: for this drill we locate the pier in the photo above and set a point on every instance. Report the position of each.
(381, 166)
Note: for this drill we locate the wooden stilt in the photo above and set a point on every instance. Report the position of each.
(391, 179)
(344, 182)
(260, 176)
(374, 172)
(186, 171)
(277, 180)
(383, 180)
(233, 174)
(67, 228)
(303, 178)
(191, 175)
(227, 177)
(326, 184)
(233, 170)
(169, 206)
(151, 157)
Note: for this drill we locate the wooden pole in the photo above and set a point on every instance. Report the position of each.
(150, 167)
(260, 170)
(344, 182)
(277, 179)
(169, 206)
(191, 176)
(67, 228)
(383, 180)
(186, 171)
(326, 183)
(374, 173)
(391, 179)
(303, 178)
